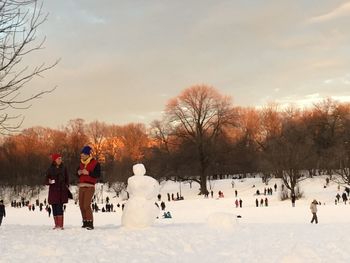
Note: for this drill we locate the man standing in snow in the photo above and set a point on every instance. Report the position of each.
(2, 211)
(88, 172)
(313, 208)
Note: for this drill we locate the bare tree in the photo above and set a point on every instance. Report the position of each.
(248, 130)
(19, 22)
(96, 131)
(290, 152)
(160, 131)
(342, 153)
(118, 187)
(326, 125)
(198, 116)
(270, 129)
(76, 138)
(135, 140)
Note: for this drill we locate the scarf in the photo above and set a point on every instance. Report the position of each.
(86, 162)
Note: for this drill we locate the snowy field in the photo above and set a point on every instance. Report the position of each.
(277, 233)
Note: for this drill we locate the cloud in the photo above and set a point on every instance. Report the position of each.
(308, 100)
(300, 101)
(145, 116)
(340, 11)
(344, 80)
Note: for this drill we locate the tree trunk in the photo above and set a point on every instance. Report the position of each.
(203, 184)
(203, 166)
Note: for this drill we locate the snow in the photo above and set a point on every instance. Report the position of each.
(140, 210)
(200, 229)
(222, 220)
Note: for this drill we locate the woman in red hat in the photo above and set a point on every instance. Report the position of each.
(58, 181)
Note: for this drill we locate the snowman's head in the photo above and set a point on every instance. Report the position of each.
(139, 169)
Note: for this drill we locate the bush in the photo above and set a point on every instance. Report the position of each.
(286, 194)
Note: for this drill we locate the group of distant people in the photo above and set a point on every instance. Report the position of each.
(108, 207)
(262, 202)
(239, 203)
(172, 197)
(162, 206)
(19, 204)
(32, 207)
(344, 197)
(267, 191)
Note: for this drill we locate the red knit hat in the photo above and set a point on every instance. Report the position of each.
(55, 156)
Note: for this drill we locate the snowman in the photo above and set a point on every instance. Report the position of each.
(140, 210)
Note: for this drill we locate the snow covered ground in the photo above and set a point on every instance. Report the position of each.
(278, 233)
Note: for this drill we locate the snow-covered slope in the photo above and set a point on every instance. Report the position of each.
(277, 233)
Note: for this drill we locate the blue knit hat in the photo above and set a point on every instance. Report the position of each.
(86, 150)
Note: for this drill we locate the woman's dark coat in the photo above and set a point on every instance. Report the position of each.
(58, 192)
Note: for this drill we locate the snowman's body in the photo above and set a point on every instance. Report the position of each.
(140, 210)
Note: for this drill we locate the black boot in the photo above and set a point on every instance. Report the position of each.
(90, 225)
(84, 224)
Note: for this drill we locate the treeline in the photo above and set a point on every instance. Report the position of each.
(201, 134)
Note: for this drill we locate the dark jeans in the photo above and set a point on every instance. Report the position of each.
(57, 209)
(314, 218)
(0, 220)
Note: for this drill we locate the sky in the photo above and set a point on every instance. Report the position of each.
(121, 61)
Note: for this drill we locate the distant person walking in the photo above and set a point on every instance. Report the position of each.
(58, 181)
(168, 197)
(338, 197)
(313, 208)
(347, 190)
(88, 171)
(162, 205)
(2, 211)
(48, 209)
(345, 197)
